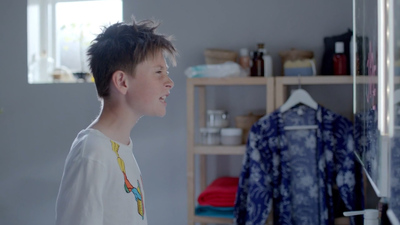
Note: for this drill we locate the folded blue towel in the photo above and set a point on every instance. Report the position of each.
(225, 212)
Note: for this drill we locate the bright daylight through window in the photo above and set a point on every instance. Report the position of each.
(59, 33)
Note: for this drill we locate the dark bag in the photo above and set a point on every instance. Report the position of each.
(329, 51)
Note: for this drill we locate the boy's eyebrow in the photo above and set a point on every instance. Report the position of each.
(161, 67)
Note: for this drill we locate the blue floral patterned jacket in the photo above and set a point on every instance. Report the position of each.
(295, 171)
(394, 201)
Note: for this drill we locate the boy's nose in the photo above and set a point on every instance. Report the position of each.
(170, 83)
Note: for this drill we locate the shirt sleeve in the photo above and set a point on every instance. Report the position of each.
(254, 196)
(80, 198)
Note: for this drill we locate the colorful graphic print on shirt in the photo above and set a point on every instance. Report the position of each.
(127, 184)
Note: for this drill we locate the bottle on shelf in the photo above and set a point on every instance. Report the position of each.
(260, 64)
(268, 69)
(253, 63)
(257, 69)
(339, 60)
(267, 60)
(244, 60)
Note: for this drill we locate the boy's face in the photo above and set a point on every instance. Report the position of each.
(149, 87)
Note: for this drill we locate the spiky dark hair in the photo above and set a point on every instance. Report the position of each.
(123, 46)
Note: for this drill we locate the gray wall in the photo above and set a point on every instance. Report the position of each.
(40, 121)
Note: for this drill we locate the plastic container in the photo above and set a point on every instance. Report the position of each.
(217, 118)
(231, 136)
(210, 136)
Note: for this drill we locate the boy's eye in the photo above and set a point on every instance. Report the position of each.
(160, 72)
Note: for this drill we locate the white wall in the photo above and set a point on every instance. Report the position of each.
(40, 121)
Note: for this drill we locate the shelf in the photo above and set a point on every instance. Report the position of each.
(205, 219)
(219, 150)
(308, 80)
(304, 80)
(366, 80)
(334, 79)
(196, 89)
(373, 80)
(228, 81)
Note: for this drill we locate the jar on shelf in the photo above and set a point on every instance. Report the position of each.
(210, 136)
(217, 118)
(231, 136)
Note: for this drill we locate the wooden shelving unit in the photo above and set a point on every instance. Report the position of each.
(276, 95)
(202, 151)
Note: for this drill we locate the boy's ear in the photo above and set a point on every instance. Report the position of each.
(120, 81)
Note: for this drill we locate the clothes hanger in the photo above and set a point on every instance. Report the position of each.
(299, 96)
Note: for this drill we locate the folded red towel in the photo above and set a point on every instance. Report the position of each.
(220, 193)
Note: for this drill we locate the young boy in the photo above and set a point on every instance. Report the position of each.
(102, 183)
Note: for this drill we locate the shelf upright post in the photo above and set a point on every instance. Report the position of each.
(270, 98)
(281, 89)
(190, 150)
(202, 123)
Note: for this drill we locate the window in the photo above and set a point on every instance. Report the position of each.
(59, 33)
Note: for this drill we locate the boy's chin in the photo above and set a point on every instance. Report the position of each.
(160, 114)
(156, 113)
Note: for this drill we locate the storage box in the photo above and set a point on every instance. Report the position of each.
(301, 67)
(294, 55)
(217, 56)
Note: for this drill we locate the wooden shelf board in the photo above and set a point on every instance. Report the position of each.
(304, 80)
(206, 219)
(308, 80)
(373, 80)
(366, 79)
(219, 150)
(228, 81)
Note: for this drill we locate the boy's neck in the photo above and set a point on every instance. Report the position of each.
(115, 123)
